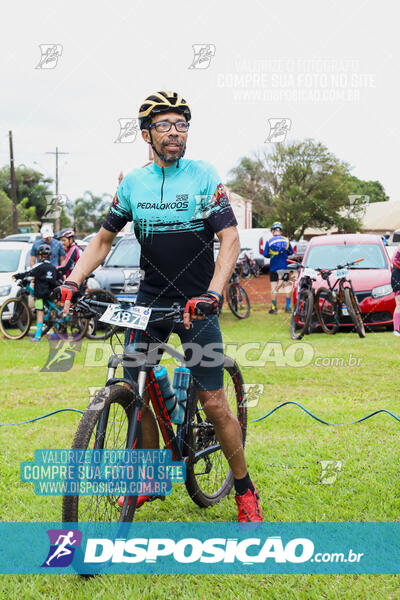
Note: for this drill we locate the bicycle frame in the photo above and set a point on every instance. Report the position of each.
(27, 290)
(340, 284)
(51, 306)
(147, 380)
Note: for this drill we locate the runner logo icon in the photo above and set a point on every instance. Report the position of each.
(62, 547)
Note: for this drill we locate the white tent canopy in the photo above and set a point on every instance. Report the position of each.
(382, 216)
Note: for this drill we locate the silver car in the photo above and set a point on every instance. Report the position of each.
(120, 273)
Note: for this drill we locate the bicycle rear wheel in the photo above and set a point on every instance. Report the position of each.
(326, 309)
(15, 318)
(96, 431)
(354, 311)
(301, 316)
(208, 476)
(238, 300)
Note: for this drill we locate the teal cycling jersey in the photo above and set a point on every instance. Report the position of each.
(176, 211)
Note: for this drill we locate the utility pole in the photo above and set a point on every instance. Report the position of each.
(13, 186)
(57, 219)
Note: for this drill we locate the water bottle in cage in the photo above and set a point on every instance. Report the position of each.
(174, 397)
(180, 384)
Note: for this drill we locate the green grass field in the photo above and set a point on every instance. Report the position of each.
(283, 454)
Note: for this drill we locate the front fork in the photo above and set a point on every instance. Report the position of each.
(134, 409)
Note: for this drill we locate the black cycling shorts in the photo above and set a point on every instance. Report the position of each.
(274, 276)
(202, 344)
(395, 280)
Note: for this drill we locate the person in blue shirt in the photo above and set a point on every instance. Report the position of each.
(57, 249)
(278, 249)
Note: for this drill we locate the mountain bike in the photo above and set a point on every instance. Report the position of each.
(336, 301)
(238, 300)
(16, 317)
(112, 420)
(248, 266)
(300, 323)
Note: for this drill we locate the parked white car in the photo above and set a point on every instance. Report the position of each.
(14, 258)
(253, 242)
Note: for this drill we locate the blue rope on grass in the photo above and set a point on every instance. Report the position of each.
(381, 410)
(376, 412)
(42, 417)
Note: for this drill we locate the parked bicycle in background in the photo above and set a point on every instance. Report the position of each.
(338, 300)
(16, 317)
(236, 295)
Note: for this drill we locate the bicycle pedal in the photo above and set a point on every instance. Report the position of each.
(152, 498)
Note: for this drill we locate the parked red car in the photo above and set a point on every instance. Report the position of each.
(370, 278)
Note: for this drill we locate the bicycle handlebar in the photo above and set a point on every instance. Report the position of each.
(327, 272)
(173, 312)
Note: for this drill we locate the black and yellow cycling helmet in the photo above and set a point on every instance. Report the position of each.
(162, 102)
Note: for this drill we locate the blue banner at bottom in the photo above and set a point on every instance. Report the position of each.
(90, 548)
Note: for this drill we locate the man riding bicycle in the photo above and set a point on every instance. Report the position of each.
(177, 206)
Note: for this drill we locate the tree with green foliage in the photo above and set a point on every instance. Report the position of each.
(88, 212)
(25, 213)
(302, 185)
(31, 184)
(372, 190)
(251, 181)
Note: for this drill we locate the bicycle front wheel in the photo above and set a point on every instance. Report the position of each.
(326, 309)
(208, 475)
(72, 328)
(301, 317)
(238, 301)
(104, 425)
(15, 318)
(354, 311)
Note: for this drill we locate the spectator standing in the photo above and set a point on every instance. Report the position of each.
(57, 249)
(395, 281)
(278, 249)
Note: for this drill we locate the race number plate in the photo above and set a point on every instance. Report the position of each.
(309, 272)
(339, 273)
(345, 311)
(136, 317)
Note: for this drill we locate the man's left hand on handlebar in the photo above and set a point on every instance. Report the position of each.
(199, 307)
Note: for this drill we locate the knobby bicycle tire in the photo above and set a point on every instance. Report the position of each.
(354, 311)
(72, 330)
(327, 310)
(202, 486)
(233, 301)
(303, 312)
(21, 318)
(85, 438)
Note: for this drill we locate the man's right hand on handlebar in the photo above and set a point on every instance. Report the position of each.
(200, 307)
(67, 293)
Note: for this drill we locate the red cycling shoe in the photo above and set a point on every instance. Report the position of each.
(249, 507)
